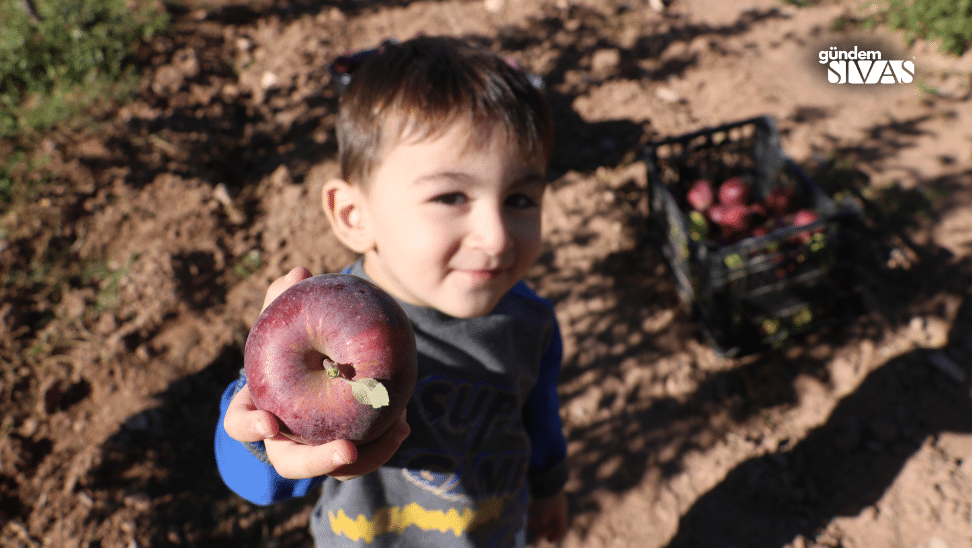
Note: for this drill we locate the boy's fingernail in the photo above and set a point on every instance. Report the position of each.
(339, 460)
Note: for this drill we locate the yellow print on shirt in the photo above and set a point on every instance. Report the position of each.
(394, 519)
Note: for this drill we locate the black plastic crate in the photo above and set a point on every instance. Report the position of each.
(757, 291)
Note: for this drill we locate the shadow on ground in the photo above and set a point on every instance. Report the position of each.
(840, 467)
(161, 462)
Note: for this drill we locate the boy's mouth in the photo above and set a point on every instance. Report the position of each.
(483, 275)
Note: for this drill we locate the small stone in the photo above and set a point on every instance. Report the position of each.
(605, 60)
(29, 427)
(268, 80)
(139, 501)
(668, 95)
(281, 176)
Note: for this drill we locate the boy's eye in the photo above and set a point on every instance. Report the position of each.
(451, 198)
(520, 201)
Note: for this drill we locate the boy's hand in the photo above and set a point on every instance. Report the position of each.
(548, 518)
(341, 459)
(282, 283)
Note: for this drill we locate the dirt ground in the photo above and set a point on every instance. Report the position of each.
(132, 276)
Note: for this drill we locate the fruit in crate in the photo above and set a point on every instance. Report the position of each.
(733, 219)
(805, 217)
(734, 191)
(731, 213)
(700, 195)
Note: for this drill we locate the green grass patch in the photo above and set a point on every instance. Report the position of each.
(947, 21)
(108, 279)
(57, 56)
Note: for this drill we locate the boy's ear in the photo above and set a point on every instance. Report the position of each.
(343, 204)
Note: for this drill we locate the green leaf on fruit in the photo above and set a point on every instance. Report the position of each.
(369, 392)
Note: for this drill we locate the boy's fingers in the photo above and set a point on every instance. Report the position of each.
(282, 283)
(340, 459)
(376, 453)
(296, 461)
(245, 423)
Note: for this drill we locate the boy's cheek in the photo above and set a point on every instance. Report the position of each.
(531, 238)
(527, 227)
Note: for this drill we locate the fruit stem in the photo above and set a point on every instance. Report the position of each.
(331, 368)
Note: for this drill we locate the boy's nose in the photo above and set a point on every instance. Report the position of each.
(491, 233)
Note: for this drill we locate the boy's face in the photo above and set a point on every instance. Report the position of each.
(454, 226)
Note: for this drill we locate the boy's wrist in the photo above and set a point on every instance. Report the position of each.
(547, 483)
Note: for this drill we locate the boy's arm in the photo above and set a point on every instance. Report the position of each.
(548, 517)
(248, 472)
(541, 416)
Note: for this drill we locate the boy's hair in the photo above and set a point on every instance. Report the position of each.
(417, 89)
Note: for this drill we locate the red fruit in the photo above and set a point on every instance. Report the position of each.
(717, 213)
(734, 191)
(780, 199)
(805, 217)
(736, 219)
(731, 218)
(700, 195)
(310, 355)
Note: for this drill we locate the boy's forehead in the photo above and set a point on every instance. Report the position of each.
(431, 152)
(462, 134)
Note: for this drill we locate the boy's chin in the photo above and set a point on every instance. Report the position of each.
(470, 307)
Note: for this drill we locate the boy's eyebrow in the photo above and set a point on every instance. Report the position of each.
(526, 178)
(439, 175)
(531, 176)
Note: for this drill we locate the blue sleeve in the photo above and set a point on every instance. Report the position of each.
(541, 415)
(246, 474)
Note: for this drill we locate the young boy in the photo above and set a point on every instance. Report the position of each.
(443, 149)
